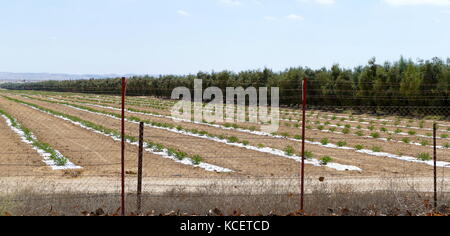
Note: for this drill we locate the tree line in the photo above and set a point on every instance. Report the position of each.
(400, 83)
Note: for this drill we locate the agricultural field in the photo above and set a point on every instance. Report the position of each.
(68, 142)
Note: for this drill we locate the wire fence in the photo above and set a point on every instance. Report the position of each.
(194, 167)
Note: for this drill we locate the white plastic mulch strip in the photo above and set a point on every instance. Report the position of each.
(405, 158)
(163, 153)
(46, 156)
(272, 151)
(381, 139)
(368, 123)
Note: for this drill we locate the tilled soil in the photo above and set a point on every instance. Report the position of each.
(240, 160)
(97, 154)
(16, 157)
(370, 164)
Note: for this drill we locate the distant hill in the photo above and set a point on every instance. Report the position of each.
(34, 77)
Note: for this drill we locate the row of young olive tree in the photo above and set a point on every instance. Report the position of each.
(402, 83)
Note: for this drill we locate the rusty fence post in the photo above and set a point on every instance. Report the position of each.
(302, 191)
(124, 85)
(435, 164)
(140, 160)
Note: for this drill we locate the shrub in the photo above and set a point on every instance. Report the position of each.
(346, 131)
(384, 130)
(411, 132)
(376, 149)
(180, 155)
(195, 131)
(333, 129)
(289, 150)
(359, 127)
(233, 139)
(397, 131)
(299, 137)
(261, 145)
(447, 145)
(325, 160)
(375, 135)
(422, 124)
(348, 126)
(320, 127)
(360, 133)
(61, 161)
(424, 157)
(371, 128)
(158, 148)
(424, 143)
(309, 155)
(444, 136)
(196, 160)
(359, 147)
(150, 145)
(203, 133)
(341, 143)
(324, 141)
(406, 140)
(171, 152)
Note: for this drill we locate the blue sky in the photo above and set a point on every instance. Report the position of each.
(187, 36)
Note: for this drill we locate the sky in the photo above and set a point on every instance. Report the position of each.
(188, 36)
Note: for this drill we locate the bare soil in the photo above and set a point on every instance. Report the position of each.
(370, 164)
(97, 154)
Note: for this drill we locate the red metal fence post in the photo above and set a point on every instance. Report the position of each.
(435, 164)
(124, 86)
(140, 160)
(302, 192)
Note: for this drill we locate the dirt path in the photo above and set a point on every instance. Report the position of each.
(98, 154)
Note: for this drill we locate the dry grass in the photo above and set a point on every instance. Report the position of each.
(323, 200)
